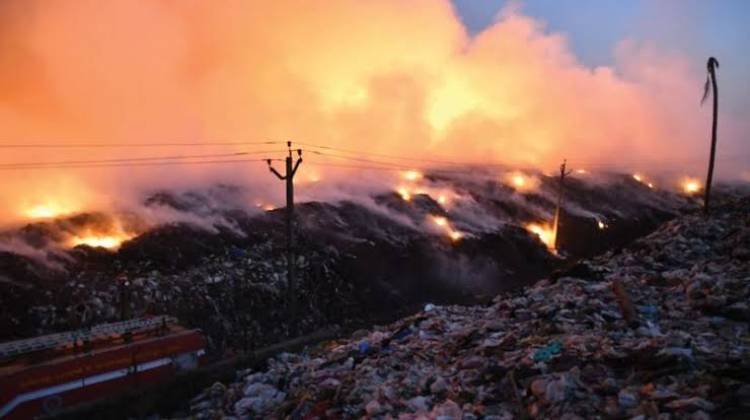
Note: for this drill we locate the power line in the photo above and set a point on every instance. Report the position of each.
(136, 164)
(393, 157)
(134, 159)
(125, 145)
(395, 165)
(632, 162)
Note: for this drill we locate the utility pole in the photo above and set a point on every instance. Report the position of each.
(291, 169)
(713, 64)
(560, 193)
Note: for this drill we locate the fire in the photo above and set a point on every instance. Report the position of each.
(43, 212)
(545, 232)
(404, 193)
(442, 199)
(440, 221)
(601, 225)
(691, 186)
(47, 210)
(521, 182)
(100, 241)
(642, 179)
(443, 224)
(412, 175)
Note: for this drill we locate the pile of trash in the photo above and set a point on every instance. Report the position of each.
(657, 330)
(236, 296)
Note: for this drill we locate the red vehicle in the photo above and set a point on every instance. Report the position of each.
(41, 376)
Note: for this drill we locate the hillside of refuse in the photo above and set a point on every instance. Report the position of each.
(218, 266)
(658, 329)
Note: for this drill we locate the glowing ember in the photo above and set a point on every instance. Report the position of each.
(412, 175)
(440, 221)
(545, 233)
(581, 171)
(691, 186)
(442, 199)
(269, 207)
(99, 241)
(521, 182)
(443, 224)
(601, 224)
(650, 185)
(404, 193)
(638, 177)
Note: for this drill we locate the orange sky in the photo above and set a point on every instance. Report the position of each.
(388, 76)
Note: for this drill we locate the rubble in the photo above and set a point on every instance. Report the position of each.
(562, 348)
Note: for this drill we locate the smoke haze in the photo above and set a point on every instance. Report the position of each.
(390, 77)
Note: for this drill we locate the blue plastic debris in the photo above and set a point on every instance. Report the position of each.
(546, 353)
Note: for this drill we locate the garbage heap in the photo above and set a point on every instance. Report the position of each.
(657, 330)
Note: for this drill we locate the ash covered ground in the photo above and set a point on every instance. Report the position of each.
(359, 261)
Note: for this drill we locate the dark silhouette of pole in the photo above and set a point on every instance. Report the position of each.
(291, 169)
(560, 193)
(712, 65)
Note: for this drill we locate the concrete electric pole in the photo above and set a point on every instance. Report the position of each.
(291, 169)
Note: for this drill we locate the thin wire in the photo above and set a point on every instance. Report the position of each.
(118, 145)
(387, 156)
(395, 165)
(141, 159)
(571, 161)
(137, 164)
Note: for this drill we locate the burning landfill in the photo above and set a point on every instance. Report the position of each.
(160, 228)
(455, 239)
(657, 330)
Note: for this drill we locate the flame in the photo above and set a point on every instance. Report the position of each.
(521, 182)
(442, 199)
(100, 241)
(269, 207)
(691, 185)
(545, 232)
(412, 175)
(601, 225)
(581, 171)
(44, 212)
(642, 179)
(442, 223)
(404, 193)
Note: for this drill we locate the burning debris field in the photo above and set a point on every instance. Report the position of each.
(658, 329)
(452, 239)
(428, 209)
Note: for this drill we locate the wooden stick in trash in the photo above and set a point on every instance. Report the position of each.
(516, 395)
(623, 299)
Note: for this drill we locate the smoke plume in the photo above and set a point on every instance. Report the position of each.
(388, 77)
